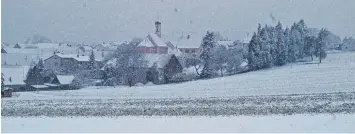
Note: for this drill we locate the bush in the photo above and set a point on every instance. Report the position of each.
(139, 84)
(182, 77)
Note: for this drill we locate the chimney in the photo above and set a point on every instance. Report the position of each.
(158, 28)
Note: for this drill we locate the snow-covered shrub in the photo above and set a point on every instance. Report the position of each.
(182, 77)
(139, 84)
(150, 84)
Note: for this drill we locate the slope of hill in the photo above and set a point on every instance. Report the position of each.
(336, 74)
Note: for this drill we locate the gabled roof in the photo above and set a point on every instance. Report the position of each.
(146, 43)
(191, 42)
(65, 79)
(156, 40)
(152, 40)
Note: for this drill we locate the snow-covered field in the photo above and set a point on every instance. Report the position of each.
(251, 102)
(248, 105)
(335, 74)
(296, 123)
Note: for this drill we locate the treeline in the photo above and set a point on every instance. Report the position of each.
(275, 46)
(269, 46)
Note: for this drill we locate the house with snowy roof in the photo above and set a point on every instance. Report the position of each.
(66, 82)
(26, 78)
(15, 76)
(68, 63)
(189, 45)
(153, 43)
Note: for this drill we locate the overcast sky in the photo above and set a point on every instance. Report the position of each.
(93, 21)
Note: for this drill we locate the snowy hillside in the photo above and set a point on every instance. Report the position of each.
(336, 74)
(315, 98)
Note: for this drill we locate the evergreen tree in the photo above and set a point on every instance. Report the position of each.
(92, 62)
(281, 49)
(34, 76)
(2, 81)
(40, 65)
(153, 74)
(303, 32)
(321, 45)
(266, 58)
(272, 42)
(292, 45)
(259, 29)
(208, 44)
(310, 42)
(252, 53)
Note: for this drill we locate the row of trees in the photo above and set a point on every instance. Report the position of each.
(271, 46)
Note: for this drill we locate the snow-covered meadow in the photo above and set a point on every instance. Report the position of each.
(301, 97)
(321, 123)
(335, 74)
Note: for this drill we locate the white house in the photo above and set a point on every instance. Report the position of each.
(15, 76)
(189, 45)
(68, 63)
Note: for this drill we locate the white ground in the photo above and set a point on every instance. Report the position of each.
(335, 74)
(295, 123)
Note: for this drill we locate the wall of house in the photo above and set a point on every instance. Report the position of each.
(163, 50)
(52, 62)
(148, 50)
(58, 64)
(68, 64)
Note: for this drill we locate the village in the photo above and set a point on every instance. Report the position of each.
(67, 66)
